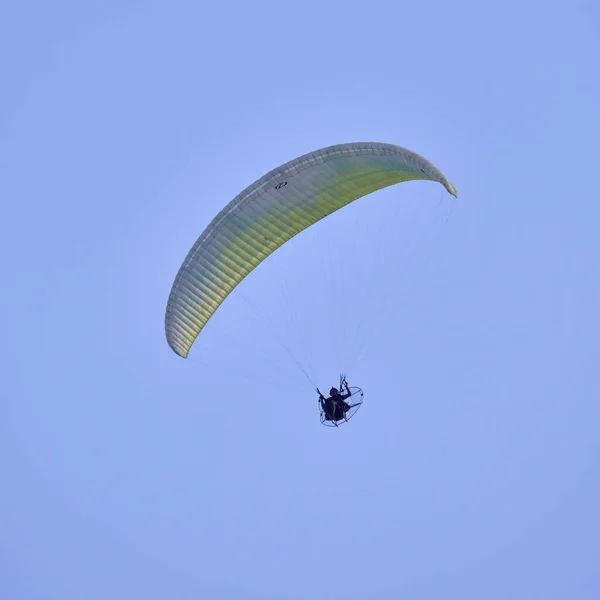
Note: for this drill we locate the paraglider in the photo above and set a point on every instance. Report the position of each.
(265, 216)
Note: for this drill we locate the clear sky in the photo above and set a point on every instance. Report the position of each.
(473, 469)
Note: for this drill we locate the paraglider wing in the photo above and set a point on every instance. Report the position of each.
(271, 211)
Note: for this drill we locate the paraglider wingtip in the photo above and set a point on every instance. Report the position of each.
(179, 352)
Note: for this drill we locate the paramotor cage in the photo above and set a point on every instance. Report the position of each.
(350, 405)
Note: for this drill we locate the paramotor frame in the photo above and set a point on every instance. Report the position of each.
(354, 402)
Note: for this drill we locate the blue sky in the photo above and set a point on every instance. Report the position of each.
(471, 471)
